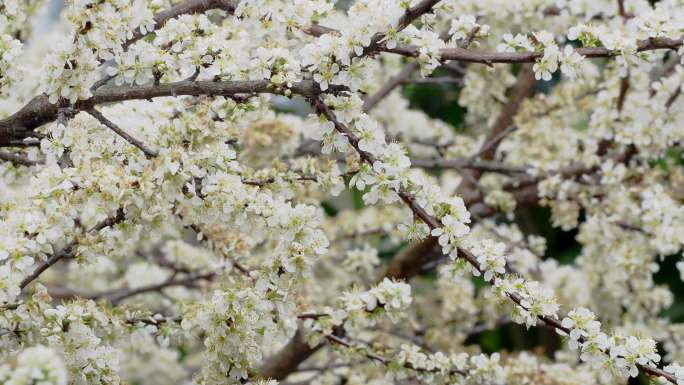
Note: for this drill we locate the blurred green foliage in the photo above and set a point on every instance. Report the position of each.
(437, 100)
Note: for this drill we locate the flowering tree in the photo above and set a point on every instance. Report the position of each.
(164, 219)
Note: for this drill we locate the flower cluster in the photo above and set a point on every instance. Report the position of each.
(234, 324)
(466, 26)
(435, 366)
(550, 55)
(533, 300)
(35, 365)
(388, 297)
(294, 227)
(10, 49)
(619, 354)
(429, 44)
(490, 257)
(364, 259)
(71, 332)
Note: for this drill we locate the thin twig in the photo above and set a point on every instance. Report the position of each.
(130, 139)
(301, 178)
(438, 80)
(187, 7)
(494, 141)
(467, 163)
(489, 58)
(406, 72)
(339, 341)
(390, 85)
(69, 250)
(117, 296)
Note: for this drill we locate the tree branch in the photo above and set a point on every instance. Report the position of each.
(69, 250)
(471, 56)
(188, 7)
(464, 163)
(391, 84)
(119, 295)
(19, 159)
(286, 361)
(40, 111)
(137, 143)
(521, 89)
(465, 55)
(433, 223)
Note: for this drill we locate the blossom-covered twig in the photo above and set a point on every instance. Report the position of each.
(463, 253)
(69, 250)
(40, 111)
(98, 115)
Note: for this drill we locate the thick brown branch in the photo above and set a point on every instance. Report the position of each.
(409, 262)
(286, 361)
(18, 159)
(40, 111)
(522, 88)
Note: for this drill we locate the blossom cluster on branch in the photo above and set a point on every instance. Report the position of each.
(236, 191)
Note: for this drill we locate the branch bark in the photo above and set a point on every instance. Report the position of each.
(520, 91)
(391, 84)
(286, 361)
(472, 56)
(40, 111)
(18, 159)
(465, 55)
